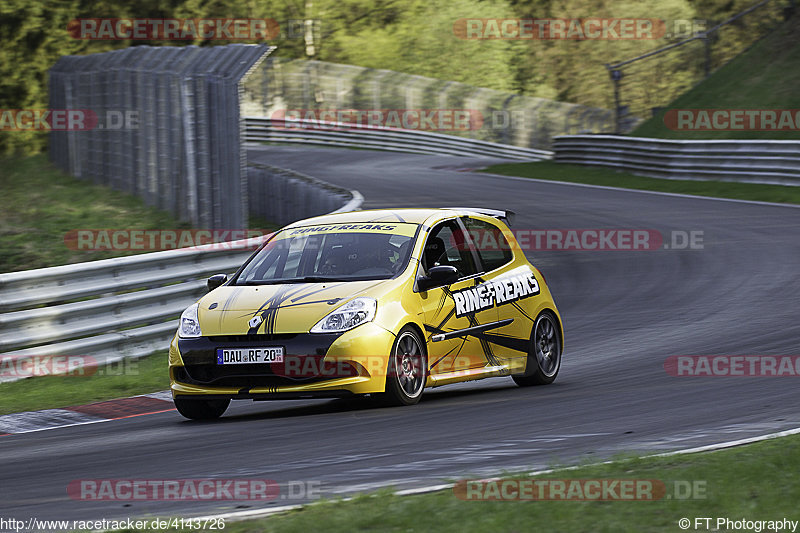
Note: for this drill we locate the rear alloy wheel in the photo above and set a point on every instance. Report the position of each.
(201, 409)
(544, 357)
(407, 369)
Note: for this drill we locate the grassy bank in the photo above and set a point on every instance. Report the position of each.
(120, 380)
(764, 77)
(548, 170)
(40, 204)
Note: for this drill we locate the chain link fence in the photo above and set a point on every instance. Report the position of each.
(165, 126)
(281, 88)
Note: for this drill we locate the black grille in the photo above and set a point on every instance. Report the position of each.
(283, 337)
(200, 359)
(222, 376)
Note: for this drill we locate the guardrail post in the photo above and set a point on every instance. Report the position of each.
(616, 78)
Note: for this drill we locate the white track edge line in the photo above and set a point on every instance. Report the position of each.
(152, 395)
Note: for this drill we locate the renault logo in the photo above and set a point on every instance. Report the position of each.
(255, 321)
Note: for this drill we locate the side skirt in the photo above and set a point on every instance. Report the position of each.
(471, 374)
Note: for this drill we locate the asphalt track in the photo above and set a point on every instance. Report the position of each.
(624, 313)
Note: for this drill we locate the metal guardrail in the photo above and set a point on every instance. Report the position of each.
(350, 135)
(50, 311)
(752, 161)
(127, 307)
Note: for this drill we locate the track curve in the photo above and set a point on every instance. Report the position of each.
(624, 313)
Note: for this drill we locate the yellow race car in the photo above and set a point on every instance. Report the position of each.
(382, 303)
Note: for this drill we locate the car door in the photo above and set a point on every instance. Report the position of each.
(452, 313)
(511, 284)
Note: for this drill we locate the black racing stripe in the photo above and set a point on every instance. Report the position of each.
(446, 319)
(461, 346)
(269, 309)
(300, 297)
(272, 304)
(434, 329)
(473, 330)
(446, 292)
(521, 310)
(308, 303)
(520, 345)
(485, 346)
(445, 355)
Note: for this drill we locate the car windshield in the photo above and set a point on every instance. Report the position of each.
(332, 252)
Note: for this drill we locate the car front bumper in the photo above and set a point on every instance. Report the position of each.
(315, 365)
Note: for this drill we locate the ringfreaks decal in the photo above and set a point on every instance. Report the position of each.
(343, 227)
(500, 291)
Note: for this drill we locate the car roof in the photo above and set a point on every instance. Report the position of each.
(409, 215)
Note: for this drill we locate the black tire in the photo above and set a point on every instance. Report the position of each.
(544, 355)
(201, 409)
(407, 369)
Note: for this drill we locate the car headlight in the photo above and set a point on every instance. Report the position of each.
(189, 325)
(352, 314)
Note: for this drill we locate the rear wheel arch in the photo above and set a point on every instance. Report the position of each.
(543, 361)
(559, 325)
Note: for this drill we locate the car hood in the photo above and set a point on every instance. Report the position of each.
(283, 308)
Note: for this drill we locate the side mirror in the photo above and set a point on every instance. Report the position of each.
(438, 276)
(215, 281)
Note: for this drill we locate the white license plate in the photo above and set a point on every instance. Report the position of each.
(249, 356)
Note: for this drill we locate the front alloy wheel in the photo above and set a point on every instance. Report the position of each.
(407, 369)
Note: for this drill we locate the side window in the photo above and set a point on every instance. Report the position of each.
(493, 248)
(447, 245)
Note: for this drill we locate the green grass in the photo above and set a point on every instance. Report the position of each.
(128, 378)
(765, 77)
(755, 482)
(548, 170)
(39, 204)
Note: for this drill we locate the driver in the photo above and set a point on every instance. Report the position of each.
(376, 254)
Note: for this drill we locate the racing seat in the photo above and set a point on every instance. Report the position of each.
(336, 262)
